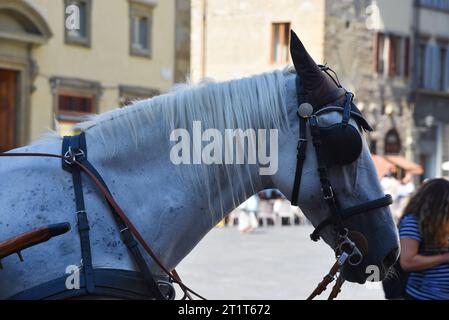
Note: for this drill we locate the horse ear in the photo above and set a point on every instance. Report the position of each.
(306, 68)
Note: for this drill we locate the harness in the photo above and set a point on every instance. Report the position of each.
(103, 282)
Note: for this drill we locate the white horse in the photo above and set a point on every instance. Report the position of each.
(175, 206)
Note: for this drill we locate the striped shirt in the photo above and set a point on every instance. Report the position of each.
(429, 284)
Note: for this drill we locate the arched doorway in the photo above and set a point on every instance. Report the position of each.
(21, 29)
(392, 142)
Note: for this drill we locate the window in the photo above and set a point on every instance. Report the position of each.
(81, 35)
(75, 105)
(74, 100)
(395, 65)
(380, 53)
(435, 4)
(392, 55)
(140, 33)
(280, 40)
(392, 142)
(433, 63)
(444, 66)
(129, 94)
(141, 13)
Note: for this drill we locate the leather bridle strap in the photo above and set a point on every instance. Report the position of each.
(300, 158)
(326, 186)
(301, 148)
(338, 215)
(133, 229)
(77, 145)
(111, 201)
(131, 243)
(351, 212)
(328, 278)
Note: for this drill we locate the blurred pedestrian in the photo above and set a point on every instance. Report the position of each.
(390, 185)
(248, 215)
(284, 210)
(405, 191)
(265, 208)
(424, 234)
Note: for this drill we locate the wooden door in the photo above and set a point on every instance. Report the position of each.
(8, 92)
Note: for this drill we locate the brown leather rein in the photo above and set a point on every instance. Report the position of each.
(173, 275)
(328, 278)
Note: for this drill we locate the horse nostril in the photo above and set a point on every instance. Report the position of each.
(391, 258)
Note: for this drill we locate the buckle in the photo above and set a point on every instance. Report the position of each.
(167, 289)
(124, 229)
(70, 156)
(86, 226)
(313, 121)
(328, 192)
(300, 143)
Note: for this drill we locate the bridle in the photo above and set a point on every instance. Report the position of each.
(346, 249)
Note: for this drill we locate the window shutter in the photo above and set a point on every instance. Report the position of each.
(407, 57)
(393, 48)
(446, 72)
(436, 67)
(428, 67)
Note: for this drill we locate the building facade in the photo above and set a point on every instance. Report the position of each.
(369, 43)
(62, 60)
(236, 38)
(375, 47)
(430, 96)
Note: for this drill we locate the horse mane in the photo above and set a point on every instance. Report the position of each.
(252, 102)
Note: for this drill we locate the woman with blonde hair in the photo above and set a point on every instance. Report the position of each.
(424, 234)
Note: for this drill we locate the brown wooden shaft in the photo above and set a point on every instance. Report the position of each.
(23, 241)
(31, 238)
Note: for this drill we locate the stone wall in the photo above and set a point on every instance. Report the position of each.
(349, 50)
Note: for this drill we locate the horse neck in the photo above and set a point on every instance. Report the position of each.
(171, 208)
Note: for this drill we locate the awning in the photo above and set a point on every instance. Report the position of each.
(405, 164)
(382, 165)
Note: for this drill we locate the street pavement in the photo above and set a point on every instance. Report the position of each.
(270, 263)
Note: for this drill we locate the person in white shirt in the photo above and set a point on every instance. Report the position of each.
(247, 217)
(390, 185)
